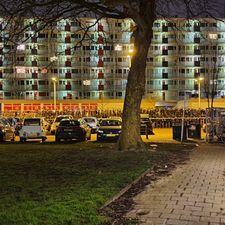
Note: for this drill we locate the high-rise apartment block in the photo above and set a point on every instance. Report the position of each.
(90, 59)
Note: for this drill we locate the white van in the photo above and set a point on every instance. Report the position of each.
(32, 128)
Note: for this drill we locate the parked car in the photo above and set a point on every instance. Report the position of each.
(32, 128)
(56, 122)
(92, 122)
(70, 129)
(7, 132)
(109, 128)
(146, 124)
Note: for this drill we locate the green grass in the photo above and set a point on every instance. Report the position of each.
(65, 184)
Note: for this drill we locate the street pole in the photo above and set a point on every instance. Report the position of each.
(54, 92)
(182, 122)
(199, 93)
(199, 90)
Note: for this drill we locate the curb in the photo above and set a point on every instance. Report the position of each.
(125, 189)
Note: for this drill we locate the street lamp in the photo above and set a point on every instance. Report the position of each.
(130, 53)
(199, 90)
(54, 79)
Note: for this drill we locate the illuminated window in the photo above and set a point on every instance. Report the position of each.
(21, 47)
(213, 36)
(86, 82)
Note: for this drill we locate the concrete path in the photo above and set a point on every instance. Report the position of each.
(193, 195)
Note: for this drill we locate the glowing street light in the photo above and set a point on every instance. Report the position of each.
(130, 54)
(54, 79)
(199, 90)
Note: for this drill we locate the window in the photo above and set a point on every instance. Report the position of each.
(213, 36)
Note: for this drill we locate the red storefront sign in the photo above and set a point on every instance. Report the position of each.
(47, 107)
(27, 107)
(36, 107)
(66, 107)
(16, 107)
(75, 107)
(8, 107)
(93, 107)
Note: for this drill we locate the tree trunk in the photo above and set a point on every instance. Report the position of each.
(130, 138)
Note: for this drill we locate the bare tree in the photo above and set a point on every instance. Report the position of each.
(143, 13)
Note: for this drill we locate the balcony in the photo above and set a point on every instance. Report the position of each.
(34, 75)
(197, 40)
(100, 40)
(100, 52)
(101, 87)
(197, 28)
(196, 75)
(68, 52)
(34, 39)
(68, 75)
(165, 63)
(100, 63)
(67, 39)
(165, 52)
(34, 87)
(164, 28)
(34, 63)
(100, 28)
(197, 51)
(165, 40)
(197, 63)
(100, 75)
(67, 27)
(68, 64)
(165, 75)
(68, 87)
(34, 51)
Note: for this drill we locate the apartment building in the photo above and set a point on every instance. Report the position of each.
(96, 65)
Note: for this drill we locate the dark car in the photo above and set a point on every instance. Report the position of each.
(146, 124)
(109, 129)
(71, 130)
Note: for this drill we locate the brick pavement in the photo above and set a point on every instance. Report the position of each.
(194, 194)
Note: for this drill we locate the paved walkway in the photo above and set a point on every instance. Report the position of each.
(193, 195)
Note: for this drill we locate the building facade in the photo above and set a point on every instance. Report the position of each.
(96, 65)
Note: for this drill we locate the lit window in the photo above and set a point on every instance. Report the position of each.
(21, 47)
(86, 82)
(20, 70)
(118, 47)
(213, 36)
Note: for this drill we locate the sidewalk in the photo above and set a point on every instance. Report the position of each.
(193, 195)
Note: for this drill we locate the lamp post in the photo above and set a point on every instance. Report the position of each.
(54, 90)
(130, 53)
(199, 90)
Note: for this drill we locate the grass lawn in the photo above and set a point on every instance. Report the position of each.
(66, 184)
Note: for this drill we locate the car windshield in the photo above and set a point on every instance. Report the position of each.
(110, 123)
(5, 121)
(89, 120)
(32, 122)
(58, 119)
(68, 123)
